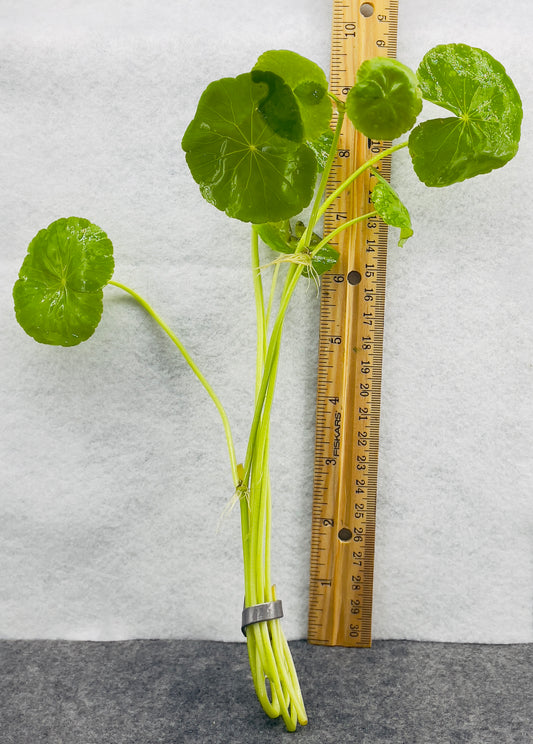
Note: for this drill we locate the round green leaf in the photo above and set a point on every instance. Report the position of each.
(309, 84)
(58, 295)
(241, 165)
(385, 100)
(485, 132)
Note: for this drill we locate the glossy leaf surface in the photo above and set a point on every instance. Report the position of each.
(309, 85)
(385, 100)
(241, 165)
(391, 209)
(279, 107)
(321, 147)
(485, 131)
(58, 295)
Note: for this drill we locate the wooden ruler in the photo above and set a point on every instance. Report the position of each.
(350, 356)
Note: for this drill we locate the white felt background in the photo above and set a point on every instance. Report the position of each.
(113, 464)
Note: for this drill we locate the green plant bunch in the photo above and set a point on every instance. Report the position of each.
(260, 147)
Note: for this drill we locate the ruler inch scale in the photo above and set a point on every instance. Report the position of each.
(350, 355)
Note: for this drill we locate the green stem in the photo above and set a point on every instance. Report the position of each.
(267, 648)
(273, 285)
(261, 320)
(290, 284)
(270, 363)
(268, 651)
(197, 372)
(315, 216)
(351, 178)
(339, 229)
(340, 104)
(253, 545)
(267, 383)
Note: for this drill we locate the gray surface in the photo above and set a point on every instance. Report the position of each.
(182, 692)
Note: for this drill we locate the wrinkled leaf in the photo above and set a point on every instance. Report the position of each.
(309, 84)
(241, 165)
(391, 209)
(485, 132)
(385, 100)
(58, 295)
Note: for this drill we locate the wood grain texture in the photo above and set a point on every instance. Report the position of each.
(350, 358)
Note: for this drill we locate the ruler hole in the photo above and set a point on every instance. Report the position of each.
(366, 10)
(354, 277)
(345, 534)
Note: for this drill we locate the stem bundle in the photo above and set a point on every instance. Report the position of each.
(272, 667)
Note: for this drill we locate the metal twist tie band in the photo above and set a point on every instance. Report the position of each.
(260, 612)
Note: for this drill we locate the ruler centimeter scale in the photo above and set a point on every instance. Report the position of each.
(350, 358)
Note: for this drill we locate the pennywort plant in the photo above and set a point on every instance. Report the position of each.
(260, 147)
